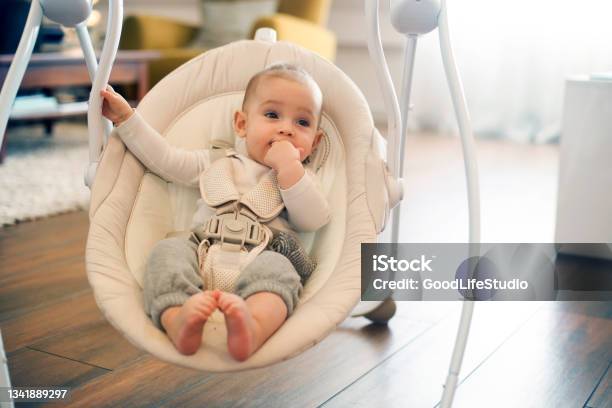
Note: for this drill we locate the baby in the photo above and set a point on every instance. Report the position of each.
(279, 125)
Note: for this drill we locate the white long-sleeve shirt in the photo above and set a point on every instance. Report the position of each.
(306, 206)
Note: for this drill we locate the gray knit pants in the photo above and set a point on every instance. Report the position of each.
(172, 276)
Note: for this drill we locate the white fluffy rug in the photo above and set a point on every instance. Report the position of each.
(42, 176)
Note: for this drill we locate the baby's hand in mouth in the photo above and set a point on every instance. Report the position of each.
(280, 142)
(277, 141)
(280, 153)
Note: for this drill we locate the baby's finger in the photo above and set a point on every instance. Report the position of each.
(107, 94)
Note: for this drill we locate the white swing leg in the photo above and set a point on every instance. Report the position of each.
(457, 358)
(88, 50)
(19, 65)
(471, 170)
(5, 380)
(408, 74)
(409, 58)
(424, 23)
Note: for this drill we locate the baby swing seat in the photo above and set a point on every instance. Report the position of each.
(132, 209)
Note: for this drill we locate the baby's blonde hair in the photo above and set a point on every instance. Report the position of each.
(286, 71)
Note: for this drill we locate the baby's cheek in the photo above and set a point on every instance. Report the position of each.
(304, 153)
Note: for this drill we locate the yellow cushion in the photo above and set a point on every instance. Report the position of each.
(169, 60)
(301, 32)
(152, 32)
(315, 11)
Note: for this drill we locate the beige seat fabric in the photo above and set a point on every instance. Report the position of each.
(131, 209)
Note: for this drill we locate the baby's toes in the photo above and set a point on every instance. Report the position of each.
(229, 301)
(213, 294)
(232, 307)
(208, 309)
(223, 301)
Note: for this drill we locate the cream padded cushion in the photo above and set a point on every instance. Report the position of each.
(132, 209)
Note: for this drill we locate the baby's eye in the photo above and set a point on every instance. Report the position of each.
(304, 123)
(271, 115)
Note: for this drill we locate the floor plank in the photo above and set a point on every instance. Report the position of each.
(25, 250)
(141, 384)
(71, 225)
(29, 229)
(556, 360)
(36, 325)
(602, 396)
(599, 309)
(37, 271)
(23, 292)
(97, 344)
(31, 368)
(414, 376)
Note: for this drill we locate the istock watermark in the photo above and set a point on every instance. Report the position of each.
(510, 271)
(383, 263)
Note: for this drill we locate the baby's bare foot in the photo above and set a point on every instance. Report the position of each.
(239, 323)
(185, 324)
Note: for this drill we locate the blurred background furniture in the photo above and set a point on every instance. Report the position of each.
(585, 171)
(49, 71)
(297, 21)
(13, 22)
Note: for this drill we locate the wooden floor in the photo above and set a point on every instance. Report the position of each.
(519, 354)
(531, 354)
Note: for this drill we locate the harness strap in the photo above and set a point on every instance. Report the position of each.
(218, 188)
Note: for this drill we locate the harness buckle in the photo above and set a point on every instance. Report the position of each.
(234, 230)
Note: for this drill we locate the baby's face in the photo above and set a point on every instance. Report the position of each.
(280, 109)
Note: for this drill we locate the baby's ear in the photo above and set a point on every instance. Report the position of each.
(240, 123)
(317, 138)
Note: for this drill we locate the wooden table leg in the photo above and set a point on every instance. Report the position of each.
(48, 124)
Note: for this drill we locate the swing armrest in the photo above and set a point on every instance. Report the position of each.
(107, 173)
